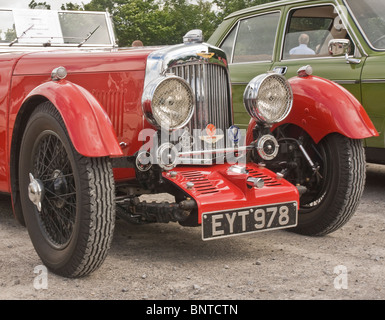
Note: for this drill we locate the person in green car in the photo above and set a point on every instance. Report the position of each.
(302, 48)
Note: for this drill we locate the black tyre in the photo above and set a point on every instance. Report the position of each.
(333, 200)
(67, 199)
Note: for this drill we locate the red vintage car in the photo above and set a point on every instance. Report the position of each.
(87, 128)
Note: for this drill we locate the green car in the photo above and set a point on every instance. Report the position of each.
(343, 40)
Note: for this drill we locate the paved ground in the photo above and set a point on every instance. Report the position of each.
(166, 261)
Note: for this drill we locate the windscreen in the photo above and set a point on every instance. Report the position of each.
(51, 28)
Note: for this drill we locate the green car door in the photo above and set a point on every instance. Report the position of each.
(250, 52)
(307, 33)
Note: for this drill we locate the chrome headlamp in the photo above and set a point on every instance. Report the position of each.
(168, 102)
(268, 98)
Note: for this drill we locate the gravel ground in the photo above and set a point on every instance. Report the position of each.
(170, 262)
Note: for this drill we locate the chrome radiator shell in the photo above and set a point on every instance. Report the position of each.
(205, 68)
(210, 85)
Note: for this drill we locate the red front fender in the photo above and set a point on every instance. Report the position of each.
(88, 125)
(321, 107)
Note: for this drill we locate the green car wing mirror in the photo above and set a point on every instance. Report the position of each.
(341, 47)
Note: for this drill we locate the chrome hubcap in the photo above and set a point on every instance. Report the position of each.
(35, 191)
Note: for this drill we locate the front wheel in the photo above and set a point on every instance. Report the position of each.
(67, 199)
(335, 192)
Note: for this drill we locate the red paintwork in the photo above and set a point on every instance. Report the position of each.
(7, 61)
(81, 111)
(100, 99)
(321, 107)
(216, 189)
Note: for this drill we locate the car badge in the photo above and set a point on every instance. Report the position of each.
(211, 130)
(234, 133)
(211, 136)
(206, 55)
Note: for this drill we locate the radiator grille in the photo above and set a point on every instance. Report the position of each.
(210, 85)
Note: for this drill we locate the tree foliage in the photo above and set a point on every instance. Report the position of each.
(39, 5)
(157, 22)
(72, 6)
(161, 22)
(228, 6)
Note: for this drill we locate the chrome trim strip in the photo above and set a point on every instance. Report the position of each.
(235, 38)
(316, 58)
(347, 81)
(373, 81)
(265, 6)
(215, 151)
(343, 81)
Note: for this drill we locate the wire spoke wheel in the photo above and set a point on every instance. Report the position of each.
(58, 209)
(68, 200)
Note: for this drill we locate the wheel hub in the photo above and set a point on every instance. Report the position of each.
(60, 187)
(35, 191)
